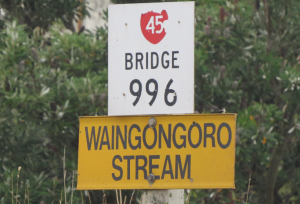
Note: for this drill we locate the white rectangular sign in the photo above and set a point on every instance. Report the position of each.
(151, 58)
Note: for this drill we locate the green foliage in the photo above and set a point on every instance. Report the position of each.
(43, 13)
(247, 61)
(43, 90)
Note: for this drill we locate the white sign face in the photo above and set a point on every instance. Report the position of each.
(151, 58)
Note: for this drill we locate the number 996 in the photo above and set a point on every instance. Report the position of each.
(153, 93)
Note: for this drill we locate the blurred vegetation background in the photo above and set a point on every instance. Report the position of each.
(247, 59)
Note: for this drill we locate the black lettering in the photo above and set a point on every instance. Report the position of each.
(117, 178)
(123, 139)
(90, 141)
(211, 135)
(157, 60)
(146, 60)
(144, 137)
(138, 138)
(128, 158)
(107, 139)
(162, 60)
(174, 58)
(219, 135)
(128, 60)
(190, 135)
(187, 164)
(139, 59)
(162, 132)
(170, 171)
(183, 137)
(113, 137)
(142, 168)
(152, 166)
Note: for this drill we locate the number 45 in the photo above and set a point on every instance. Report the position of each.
(150, 25)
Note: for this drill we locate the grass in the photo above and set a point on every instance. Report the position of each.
(248, 188)
(15, 188)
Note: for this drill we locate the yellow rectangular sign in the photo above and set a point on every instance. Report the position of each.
(181, 151)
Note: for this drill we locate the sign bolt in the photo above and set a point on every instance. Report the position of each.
(151, 178)
(152, 122)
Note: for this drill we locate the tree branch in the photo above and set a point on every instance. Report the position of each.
(69, 23)
(273, 171)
